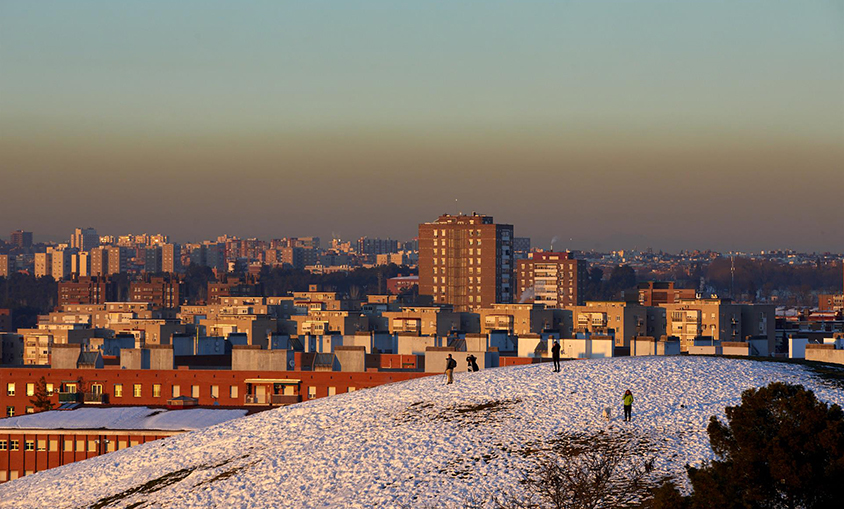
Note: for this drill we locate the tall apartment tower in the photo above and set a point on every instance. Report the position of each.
(85, 239)
(7, 265)
(466, 261)
(21, 238)
(99, 261)
(553, 279)
(116, 260)
(43, 264)
(171, 258)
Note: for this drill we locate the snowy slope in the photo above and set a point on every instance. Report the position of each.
(415, 443)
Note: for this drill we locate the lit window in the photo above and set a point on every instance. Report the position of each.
(30, 389)
(118, 390)
(68, 445)
(14, 446)
(136, 390)
(10, 411)
(29, 445)
(233, 391)
(177, 391)
(156, 390)
(10, 389)
(194, 391)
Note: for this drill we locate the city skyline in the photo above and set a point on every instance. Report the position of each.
(655, 124)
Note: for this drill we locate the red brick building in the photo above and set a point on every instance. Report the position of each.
(654, 293)
(554, 279)
(39, 442)
(145, 387)
(87, 290)
(161, 292)
(466, 261)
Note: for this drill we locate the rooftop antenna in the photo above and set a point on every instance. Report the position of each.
(732, 275)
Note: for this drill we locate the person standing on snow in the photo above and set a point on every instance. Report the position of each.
(628, 405)
(555, 354)
(450, 364)
(473, 362)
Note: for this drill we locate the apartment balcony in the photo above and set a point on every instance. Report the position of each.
(93, 398)
(271, 399)
(70, 397)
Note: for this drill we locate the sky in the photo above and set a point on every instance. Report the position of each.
(607, 124)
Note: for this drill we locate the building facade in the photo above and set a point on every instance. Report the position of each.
(553, 279)
(466, 261)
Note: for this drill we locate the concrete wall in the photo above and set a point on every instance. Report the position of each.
(350, 358)
(797, 348)
(601, 348)
(830, 355)
(535, 346)
(362, 340)
(704, 349)
(65, 356)
(416, 345)
(477, 342)
(250, 358)
(134, 358)
(160, 356)
(730, 348)
(642, 346)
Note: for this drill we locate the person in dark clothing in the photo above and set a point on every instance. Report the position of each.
(555, 354)
(628, 405)
(450, 364)
(473, 362)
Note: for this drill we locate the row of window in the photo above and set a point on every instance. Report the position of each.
(81, 445)
(137, 390)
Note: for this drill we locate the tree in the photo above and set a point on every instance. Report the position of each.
(604, 472)
(780, 447)
(41, 399)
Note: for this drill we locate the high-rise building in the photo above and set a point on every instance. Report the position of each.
(466, 261)
(21, 238)
(116, 260)
(553, 279)
(61, 263)
(43, 264)
(7, 265)
(367, 246)
(85, 239)
(152, 259)
(171, 258)
(158, 291)
(99, 261)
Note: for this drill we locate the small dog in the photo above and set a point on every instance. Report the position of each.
(607, 414)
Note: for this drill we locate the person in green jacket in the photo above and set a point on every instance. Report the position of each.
(628, 404)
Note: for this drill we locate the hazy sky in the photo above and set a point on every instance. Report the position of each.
(669, 124)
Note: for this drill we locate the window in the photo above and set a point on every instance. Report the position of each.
(30, 409)
(10, 389)
(80, 445)
(10, 411)
(68, 446)
(30, 389)
(194, 391)
(332, 391)
(118, 390)
(14, 446)
(136, 390)
(3, 445)
(29, 445)
(92, 446)
(233, 391)
(54, 445)
(215, 391)
(156, 390)
(121, 444)
(351, 389)
(49, 389)
(109, 445)
(311, 392)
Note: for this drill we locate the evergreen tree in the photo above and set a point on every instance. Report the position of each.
(41, 400)
(780, 447)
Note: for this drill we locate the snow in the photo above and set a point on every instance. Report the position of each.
(123, 418)
(406, 444)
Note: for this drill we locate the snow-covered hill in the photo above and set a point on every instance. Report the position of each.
(415, 443)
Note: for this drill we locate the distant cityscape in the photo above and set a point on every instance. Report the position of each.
(251, 324)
